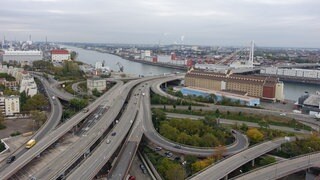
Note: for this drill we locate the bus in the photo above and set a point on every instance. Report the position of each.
(30, 143)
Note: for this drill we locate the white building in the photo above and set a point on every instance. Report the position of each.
(9, 105)
(28, 85)
(21, 56)
(59, 55)
(12, 105)
(96, 83)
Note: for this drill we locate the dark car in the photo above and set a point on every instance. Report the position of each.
(143, 169)
(113, 134)
(177, 146)
(11, 159)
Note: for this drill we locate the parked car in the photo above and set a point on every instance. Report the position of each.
(143, 169)
(113, 134)
(158, 148)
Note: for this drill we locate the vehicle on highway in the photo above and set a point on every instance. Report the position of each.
(283, 114)
(177, 146)
(53, 97)
(158, 148)
(11, 159)
(85, 110)
(131, 121)
(297, 129)
(143, 169)
(132, 178)
(113, 134)
(108, 141)
(30, 143)
(143, 94)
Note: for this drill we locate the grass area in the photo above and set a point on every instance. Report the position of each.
(263, 120)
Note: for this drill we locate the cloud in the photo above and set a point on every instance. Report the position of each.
(229, 22)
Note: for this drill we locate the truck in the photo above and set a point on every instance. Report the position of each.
(30, 143)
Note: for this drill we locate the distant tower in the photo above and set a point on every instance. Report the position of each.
(30, 37)
(251, 53)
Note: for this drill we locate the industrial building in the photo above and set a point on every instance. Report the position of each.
(267, 88)
(310, 103)
(299, 73)
(60, 55)
(96, 83)
(21, 56)
(244, 100)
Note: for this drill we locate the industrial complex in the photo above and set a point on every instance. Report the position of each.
(266, 88)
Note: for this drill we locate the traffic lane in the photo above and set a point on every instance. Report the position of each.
(53, 136)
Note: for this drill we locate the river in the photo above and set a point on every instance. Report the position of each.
(292, 91)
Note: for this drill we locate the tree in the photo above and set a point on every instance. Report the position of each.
(78, 104)
(244, 127)
(212, 98)
(23, 99)
(96, 93)
(199, 165)
(255, 135)
(217, 111)
(174, 107)
(189, 108)
(39, 117)
(176, 172)
(36, 102)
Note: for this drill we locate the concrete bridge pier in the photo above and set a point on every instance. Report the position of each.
(226, 177)
(252, 163)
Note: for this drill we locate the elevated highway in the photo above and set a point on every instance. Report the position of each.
(92, 165)
(224, 167)
(283, 168)
(51, 123)
(53, 136)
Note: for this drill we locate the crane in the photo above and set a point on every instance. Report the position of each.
(120, 66)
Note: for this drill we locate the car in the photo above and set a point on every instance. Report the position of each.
(177, 146)
(283, 114)
(108, 141)
(297, 129)
(177, 158)
(132, 178)
(143, 94)
(158, 148)
(143, 169)
(113, 134)
(11, 159)
(168, 154)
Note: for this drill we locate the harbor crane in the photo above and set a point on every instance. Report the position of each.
(120, 67)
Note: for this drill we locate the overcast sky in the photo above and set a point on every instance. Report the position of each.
(294, 23)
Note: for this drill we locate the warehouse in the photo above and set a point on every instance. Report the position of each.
(267, 88)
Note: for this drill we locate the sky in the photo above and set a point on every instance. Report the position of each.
(274, 23)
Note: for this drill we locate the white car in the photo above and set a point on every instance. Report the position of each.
(283, 114)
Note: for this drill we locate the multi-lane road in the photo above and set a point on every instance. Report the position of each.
(53, 136)
(223, 168)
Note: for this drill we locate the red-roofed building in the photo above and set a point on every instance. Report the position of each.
(59, 55)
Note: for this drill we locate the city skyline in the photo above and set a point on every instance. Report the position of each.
(289, 23)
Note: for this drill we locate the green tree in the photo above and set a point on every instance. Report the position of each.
(36, 102)
(255, 135)
(265, 160)
(96, 93)
(78, 104)
(39, 117)
(23, 99)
